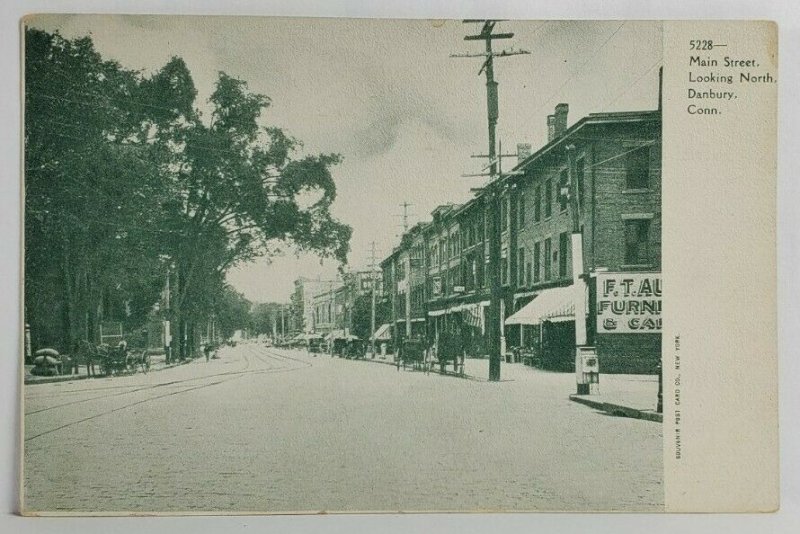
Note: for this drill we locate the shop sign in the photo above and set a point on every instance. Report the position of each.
(437, 285)
(628, 303)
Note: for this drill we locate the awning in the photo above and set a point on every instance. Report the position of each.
(554, 305)
(471, 308)
(340, 334)
(473, 315)
(308, 336)
(383, 333)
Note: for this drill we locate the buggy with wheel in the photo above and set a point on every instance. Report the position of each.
(113, 360)
(138, 359)
(412, 352)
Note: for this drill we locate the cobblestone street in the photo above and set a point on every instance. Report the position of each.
(264, 429)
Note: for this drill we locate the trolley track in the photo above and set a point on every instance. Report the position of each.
(263, 356)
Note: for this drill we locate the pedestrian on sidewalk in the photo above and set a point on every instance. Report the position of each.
(207, 351)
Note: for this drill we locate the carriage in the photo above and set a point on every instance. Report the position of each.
(111, 360)
(412, 353)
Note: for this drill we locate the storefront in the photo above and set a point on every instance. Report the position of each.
(550, 319)
(624, 323)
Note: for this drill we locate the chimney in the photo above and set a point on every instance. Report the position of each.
(560, 120)
(523, 151)
(551, 128)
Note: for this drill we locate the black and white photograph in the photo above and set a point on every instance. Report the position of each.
(298, 265)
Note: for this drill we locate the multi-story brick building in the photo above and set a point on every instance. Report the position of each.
(303, 301)
(329, 309)
(618, 199)
(618, 189)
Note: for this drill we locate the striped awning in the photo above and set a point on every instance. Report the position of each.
(555, 305)
(383, 332)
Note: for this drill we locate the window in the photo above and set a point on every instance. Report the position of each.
(563, 184)
(548, 199)
(537, 261)
(548, 260)
(521, 211)
(580, 171)
(528, 274)
(636, 241)
(521, 267)
(504, 214)
(455, 277)
(637, 168)
(537, 204)
(563, 248)
(504, 271)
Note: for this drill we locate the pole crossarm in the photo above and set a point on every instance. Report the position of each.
(502, 53)
(483, 36)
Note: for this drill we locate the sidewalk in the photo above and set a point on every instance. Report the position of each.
(622, 395)
(157, 363)
(633, 396)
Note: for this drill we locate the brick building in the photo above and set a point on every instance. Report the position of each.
(618, 188)
(618, 182)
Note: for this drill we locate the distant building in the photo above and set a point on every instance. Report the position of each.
(303, 301)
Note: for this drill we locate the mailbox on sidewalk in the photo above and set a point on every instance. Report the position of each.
(587, 371)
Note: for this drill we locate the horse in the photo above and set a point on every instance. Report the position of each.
(85, 353)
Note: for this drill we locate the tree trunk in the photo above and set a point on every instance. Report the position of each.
(67, 297)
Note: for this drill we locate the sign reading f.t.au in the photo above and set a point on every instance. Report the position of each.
(628, 303)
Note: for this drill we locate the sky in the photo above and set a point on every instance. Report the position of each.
(387, 96)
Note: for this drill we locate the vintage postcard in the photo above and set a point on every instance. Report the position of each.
(279, 265)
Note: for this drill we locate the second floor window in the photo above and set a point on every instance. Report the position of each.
(548, 198)
(637, 238)
(548, 259)
(563, 250)
(537, 204)
(521, 211)
(637, 168)
(562, 193)
(521, 267)
(537, 261)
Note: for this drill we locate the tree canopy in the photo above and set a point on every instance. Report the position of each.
(128, 189)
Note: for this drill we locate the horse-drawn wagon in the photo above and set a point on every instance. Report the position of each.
(412, 353)
(110, 360)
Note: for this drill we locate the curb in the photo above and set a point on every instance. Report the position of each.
(436, 371)
(618, 409)
(51, 379)
(69, 378)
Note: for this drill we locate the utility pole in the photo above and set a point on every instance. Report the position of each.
(372, 296)
(586, 368)
(405, 205)
(494, 331)
(283, 327)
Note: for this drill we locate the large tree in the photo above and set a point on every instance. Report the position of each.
(128, 185)
(89, 223)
